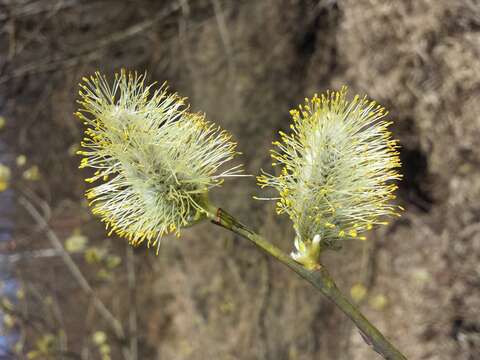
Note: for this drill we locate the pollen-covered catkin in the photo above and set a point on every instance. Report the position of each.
(337, 166)
(154, 161)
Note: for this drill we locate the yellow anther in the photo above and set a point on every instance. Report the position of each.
(330, 225)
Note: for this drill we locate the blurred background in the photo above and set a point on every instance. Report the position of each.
(69, 291)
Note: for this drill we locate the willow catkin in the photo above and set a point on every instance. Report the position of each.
(337, 166)
(154, 161)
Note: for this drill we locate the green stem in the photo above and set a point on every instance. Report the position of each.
(319, 278)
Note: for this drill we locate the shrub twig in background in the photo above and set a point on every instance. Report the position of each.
(99, 305)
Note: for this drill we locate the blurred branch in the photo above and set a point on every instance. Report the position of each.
(264, 296)
(183, 35)
(89, 51)
(224, 35)
(28, 255)
(132, 316)
(22, 9)
(77, 274)
(132, 30)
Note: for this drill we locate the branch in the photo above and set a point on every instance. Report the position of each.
(319, 278)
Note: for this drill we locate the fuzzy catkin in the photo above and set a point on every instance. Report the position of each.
(337, 166)
(154, 161)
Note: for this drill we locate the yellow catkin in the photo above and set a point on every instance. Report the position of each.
(338, 164)
(153, 160)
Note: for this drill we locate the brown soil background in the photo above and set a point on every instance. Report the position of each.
(210, 295)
